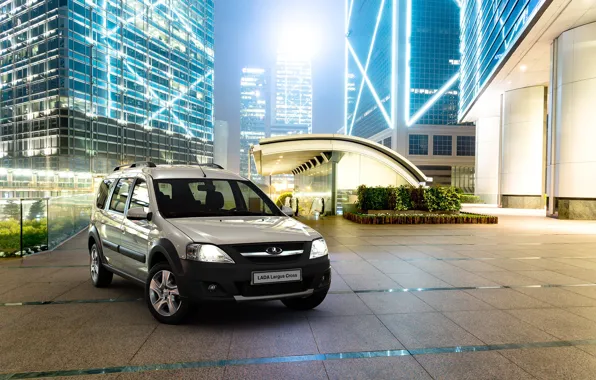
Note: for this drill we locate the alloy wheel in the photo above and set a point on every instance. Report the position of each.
(94, 263)
(164, 294)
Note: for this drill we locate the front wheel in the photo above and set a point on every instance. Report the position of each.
(305, 303)
(163, 295)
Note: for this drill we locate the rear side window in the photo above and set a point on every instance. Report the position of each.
(120, 194)
(102, 193)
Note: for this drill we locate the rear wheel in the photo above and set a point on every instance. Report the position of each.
(305, 303)
(100, 276)
(163, 295)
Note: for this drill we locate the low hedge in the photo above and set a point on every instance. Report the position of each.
(469, 198)
(403, 198)
(429, 218)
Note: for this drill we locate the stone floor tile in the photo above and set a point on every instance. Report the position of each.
(209, 373)
(394, 303)
(507, 299)
(557, 322)
(369, 281)
(287, 371)
(498, 327)
(551, 277)
(354, 267)
(471, 366)
(451, 300)
(352, 333)
(554, 362)
(395, 266)
(340, 304)
(421, 330)
(419, 280)
(558, 297)
(191, 342)
(394, 368)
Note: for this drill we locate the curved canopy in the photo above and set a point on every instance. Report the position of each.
(294, 153)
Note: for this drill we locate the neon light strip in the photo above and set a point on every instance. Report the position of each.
(370, 86)
(348, 9)
(394, 63)
(432, 100)
(408, 57)
(349, 14)
(370, 50)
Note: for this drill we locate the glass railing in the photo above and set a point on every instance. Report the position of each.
(33, 225)
(67, 216)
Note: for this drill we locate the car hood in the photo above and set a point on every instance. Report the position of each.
(242, 230)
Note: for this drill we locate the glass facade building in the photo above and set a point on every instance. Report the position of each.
(87, 85)
(489, 31)
(254, 114)
(293, 92)
(434, 59)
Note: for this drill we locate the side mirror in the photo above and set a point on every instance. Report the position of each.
(287, 210)
(138, 213)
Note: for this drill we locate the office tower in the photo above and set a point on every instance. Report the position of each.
(86, 86)
(254, 114)
(293, 92)
(403, 75)
(402, 67)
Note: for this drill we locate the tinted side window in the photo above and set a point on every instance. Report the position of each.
(120, 194)
(102, 193)
(140, 195)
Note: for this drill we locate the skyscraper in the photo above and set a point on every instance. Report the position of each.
(293, 93)
(88, 85)
(402, 72)
(254, 113)
(404, 59)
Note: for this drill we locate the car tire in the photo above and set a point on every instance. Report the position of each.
(100, 276)
(305, 303)
(163, 296)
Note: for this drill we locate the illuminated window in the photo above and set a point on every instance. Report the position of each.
(466, 145)
(442, 145)
(418, 145)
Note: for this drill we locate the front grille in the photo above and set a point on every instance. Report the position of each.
(239, 249)
(248, 290)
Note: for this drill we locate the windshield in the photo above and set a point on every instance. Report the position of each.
(188, 198)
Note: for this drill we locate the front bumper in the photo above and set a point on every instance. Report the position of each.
(229, 282)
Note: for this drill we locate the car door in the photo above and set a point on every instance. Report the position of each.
(113, 222)
(134, 243)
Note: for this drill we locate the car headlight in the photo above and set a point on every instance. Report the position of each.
(207, 253)
(318, 249)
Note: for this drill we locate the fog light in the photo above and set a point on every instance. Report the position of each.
(212, 288)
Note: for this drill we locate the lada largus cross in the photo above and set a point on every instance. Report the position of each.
(200, 233)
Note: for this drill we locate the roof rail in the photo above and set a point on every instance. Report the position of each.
(139, 164)
(211, 165)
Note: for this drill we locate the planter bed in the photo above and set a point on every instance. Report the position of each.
(421, 218)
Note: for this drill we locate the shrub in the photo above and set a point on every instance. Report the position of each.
(417, 197)
(442, 199)
(469, 198)
(403, 198)
(281, 200)
(373, 198)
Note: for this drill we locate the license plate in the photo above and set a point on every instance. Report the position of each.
(272, 277)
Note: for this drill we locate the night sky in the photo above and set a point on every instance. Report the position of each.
(246, 35)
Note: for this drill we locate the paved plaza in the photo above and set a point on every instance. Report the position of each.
(515, 300)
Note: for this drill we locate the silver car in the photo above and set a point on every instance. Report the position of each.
(200, 233)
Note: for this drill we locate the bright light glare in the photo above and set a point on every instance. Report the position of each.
(297, 40)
